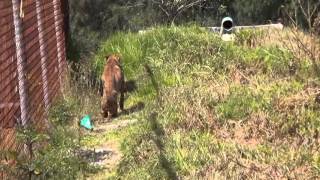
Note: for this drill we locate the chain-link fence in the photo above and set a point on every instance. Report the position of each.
(32, 61)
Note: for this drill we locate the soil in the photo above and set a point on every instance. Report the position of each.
(107, 155)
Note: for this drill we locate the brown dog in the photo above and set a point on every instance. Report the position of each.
(113, 84)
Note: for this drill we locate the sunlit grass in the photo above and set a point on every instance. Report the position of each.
(225, 110)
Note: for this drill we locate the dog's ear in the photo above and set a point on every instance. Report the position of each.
(119, 59)
(107, 57)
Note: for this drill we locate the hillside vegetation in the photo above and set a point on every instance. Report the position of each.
(214, 109)
(91, 21)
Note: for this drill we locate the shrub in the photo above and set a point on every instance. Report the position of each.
(53, 154)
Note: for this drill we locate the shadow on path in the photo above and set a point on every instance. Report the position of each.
(135, 108)
(95, 156)
(130, 86)
(159, 132)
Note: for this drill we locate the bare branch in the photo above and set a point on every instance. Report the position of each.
(316, 7)
(302, 9)
(184, 7)
(166, 12)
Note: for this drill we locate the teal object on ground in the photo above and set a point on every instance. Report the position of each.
(86, 122)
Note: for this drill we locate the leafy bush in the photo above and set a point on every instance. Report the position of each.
(53, 154)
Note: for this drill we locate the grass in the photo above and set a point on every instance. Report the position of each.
(50, 154)
(222, 110)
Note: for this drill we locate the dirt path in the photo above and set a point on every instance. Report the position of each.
(106, 155)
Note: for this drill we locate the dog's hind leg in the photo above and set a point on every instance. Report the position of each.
(121, 101)
(122, 89)
(104, 114)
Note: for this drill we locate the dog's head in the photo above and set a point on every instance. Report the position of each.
(114, 57)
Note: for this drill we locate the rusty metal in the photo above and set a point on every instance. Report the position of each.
(32, 61)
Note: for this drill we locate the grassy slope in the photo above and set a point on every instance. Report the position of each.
(222, 110)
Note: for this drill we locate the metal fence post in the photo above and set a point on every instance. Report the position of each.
(43, 54)
(58, 37)
(22, 82)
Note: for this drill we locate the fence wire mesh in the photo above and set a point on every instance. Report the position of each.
(32, 62)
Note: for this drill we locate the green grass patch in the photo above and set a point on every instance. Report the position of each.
(209, 92)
